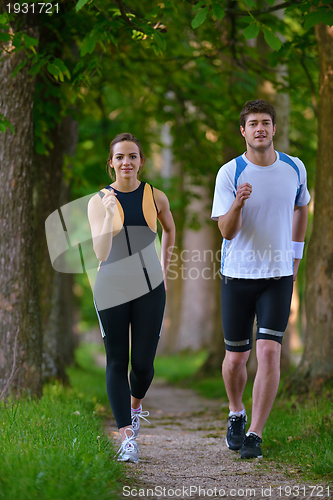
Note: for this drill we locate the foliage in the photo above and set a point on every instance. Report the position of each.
(312, 13)
(97, 52)
(56, 448)
(196, 86)
(136, 66)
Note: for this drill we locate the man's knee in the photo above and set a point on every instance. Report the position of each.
(235, 360)
(268, 351)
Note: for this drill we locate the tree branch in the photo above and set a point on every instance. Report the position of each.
(257, 12)
(103, 13)
(123, 13)
(126, 18)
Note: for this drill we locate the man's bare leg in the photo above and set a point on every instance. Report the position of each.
(266, 383)
(235, 376)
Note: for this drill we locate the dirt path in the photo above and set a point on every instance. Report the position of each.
(183, 455)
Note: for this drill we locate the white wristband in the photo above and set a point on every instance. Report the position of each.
(298, 247)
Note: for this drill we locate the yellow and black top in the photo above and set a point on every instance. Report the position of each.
(134, 223)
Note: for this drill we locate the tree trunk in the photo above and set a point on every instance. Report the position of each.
(216, 351)
(170, 328)
(56, 288)
(20, 316)
(47, 185)
(66, 338)
(317, 365)
(50, 193)
(197, 267)
(171, 322)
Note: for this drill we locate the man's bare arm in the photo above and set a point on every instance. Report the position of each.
(231, 223)
(300, 221)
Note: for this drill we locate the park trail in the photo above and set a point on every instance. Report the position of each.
(183, 455)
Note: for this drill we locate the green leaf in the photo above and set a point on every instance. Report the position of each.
(29, 41)
(53, 69)
(271, 2)
(302, 7)
(17, 40)
(37, 65)
(250, 3)
(272, 40)
(11, 127)
(329, 18)
(246, 19)
(88, 45)
(160, 39)
(80, 4)
(4, 37)
(3, 19)
(251, 31)
(316, 17)
(4, 124)
(115, 12)
(19, 67)
(199, 4)
(200, 17)
(62, 67)
(218, 11)
(113, 39)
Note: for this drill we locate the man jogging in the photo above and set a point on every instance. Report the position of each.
(260, 203)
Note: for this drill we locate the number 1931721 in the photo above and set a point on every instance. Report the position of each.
(302, 491)
(35, 8)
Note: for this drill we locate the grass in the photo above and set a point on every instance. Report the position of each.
(178, 367)
(298, 436)
(301, 436)
(55, 448)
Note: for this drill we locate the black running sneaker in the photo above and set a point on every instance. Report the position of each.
(236, 431)
(251, 446)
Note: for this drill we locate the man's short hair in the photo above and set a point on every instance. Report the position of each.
(257, 106)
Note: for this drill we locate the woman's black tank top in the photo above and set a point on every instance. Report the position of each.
(135, 222)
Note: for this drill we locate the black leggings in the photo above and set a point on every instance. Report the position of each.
(145, 315)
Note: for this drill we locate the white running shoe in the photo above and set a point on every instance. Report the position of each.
(129, 451)
(136, 415)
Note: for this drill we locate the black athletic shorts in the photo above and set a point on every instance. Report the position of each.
(242, 299)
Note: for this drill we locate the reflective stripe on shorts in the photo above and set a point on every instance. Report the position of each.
(268, 331)
(241, 342)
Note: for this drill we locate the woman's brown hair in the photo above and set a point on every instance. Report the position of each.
(119, 138)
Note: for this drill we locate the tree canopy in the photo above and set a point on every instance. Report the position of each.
(129, 65)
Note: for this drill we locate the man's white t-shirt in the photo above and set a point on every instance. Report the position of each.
(263, 246)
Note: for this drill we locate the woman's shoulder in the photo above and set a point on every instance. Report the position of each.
(96, 200)
(100, 193)
(161, 199)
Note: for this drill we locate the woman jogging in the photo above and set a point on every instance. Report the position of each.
(129, 292)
